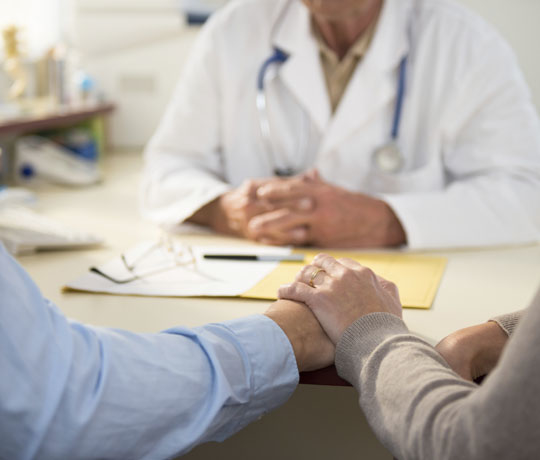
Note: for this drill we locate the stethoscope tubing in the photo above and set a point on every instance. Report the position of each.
(279, 57)
(402, 81)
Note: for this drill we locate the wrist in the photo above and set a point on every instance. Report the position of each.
(483, 344)
(214, 215)
(284, 321)
(301, 328)
(206, 214)
(493, 340)
(394, 234)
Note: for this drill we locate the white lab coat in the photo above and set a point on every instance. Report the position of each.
(469, 131)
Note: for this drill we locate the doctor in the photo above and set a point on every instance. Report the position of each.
(355, 123)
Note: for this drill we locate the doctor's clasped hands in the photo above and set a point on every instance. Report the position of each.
(303, 210)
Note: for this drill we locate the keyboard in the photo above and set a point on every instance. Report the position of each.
(23, 230)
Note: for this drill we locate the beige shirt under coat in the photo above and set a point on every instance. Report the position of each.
(337, 73)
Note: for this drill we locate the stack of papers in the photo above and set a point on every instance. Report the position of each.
(146, 271)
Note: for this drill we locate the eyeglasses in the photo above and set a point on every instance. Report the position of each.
(161, 256)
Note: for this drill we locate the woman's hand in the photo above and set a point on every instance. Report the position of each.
(474, 351)
(341, 291)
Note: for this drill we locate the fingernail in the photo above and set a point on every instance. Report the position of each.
(305, 204)
(255, 224)
(298, 234)
(262, 191)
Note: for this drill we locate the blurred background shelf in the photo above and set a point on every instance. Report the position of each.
(56, 119)
(90, 118)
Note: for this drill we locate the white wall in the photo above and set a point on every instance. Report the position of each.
(518, 21)
(140, 81)
(135, 50)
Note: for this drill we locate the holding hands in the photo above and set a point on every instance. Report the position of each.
(340, 291)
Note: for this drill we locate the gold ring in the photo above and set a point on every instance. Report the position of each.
(313, 275)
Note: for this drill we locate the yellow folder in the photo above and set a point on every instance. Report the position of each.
(417, 276)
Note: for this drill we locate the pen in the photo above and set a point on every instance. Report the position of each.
(258, 258)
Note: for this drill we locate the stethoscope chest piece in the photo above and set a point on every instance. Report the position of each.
(388, 158)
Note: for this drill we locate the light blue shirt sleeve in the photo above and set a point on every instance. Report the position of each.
(68, 390)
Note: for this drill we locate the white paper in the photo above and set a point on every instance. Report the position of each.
(160, 274)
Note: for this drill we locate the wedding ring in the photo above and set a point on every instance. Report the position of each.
(314, 275)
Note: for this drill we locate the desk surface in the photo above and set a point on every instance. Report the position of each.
(317, 422)
(477, 284)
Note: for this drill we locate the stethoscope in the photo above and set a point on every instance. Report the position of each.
(278, 58)
(387, 158)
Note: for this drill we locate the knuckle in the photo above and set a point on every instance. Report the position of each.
(296, 290)
(325, 260)
(283, 290)
(333, 283)
(367, 272)
(347, 274)
(392, 286)
(306, 270)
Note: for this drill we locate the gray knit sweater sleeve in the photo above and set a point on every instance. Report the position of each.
(420, 409)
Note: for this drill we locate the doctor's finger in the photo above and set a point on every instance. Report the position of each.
(296, 236)
(250, 186)
(285, 190)
(303, 204)
(277, 222)
(244, 210)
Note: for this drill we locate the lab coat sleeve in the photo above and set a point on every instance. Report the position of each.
(73, 391)
(491, 156)
(183, 162)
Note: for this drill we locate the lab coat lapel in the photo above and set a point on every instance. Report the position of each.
(302, 73)
(374, 83)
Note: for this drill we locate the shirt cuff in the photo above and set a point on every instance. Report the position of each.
(274, 372)
(361, 338)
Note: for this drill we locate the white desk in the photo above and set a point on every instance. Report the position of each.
(318, 422)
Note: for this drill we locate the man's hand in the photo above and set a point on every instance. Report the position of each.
(474, 351)
(341, 291)
(330, 216)
(232, 212)
(312, 347)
